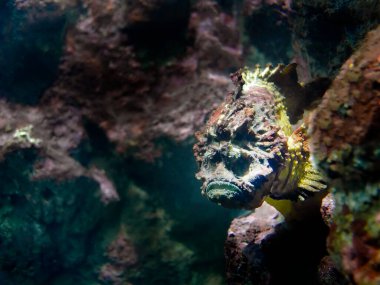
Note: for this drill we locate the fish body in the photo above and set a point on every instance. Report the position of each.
(249, 150)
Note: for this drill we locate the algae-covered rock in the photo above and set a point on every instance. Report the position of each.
(61, 232)
(45, 225)
(98, 73)
(347, 149)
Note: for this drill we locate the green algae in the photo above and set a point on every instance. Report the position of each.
(45, 226)
(156, 211)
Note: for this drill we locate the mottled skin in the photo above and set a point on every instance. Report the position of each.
(248, 150)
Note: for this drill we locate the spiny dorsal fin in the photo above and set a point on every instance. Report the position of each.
(298, 98)
(286, 73)
(285, 78)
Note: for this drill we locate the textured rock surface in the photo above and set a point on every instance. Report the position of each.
(46, 226)
(328, 273)
(345, 144)
(61, 232)
(268, 31)
(32, 35)
(263, 248)
(319, 35)
(243, 247)
(327, 209)
(147, 75)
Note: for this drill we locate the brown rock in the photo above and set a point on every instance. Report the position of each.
(349, 114)
(264, 248)
(347, 149)
(327, 209)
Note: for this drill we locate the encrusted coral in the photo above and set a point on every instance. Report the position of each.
(345, 143)
(248, 150)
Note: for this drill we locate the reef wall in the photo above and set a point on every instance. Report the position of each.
(345, 142)
(94, 91)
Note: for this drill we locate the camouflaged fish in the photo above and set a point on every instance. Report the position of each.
(250, 150)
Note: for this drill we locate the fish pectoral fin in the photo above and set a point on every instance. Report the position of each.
(312, 180)
(285, 207)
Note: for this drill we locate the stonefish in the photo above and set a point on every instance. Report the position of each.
(254, 147)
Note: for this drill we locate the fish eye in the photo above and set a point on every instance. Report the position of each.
(238, 166)
(212, 157)
(223, 133)
(243, 134)
(258, 181)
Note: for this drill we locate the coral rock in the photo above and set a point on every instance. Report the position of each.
(346, 143)
(264, 248)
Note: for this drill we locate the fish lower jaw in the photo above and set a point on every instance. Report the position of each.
(226, 194)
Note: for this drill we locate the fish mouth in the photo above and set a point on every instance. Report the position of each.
(227, 194)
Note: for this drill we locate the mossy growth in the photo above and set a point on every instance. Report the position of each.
(46, 227)
(176, 245)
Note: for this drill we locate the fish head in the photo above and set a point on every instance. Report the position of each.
(240, 151)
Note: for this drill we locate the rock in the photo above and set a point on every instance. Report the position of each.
(84, 88)
(243, 245)
(122, 254)
(138, 77)
(345, 145)
(85, 85)
(45, 224)
(32, 35)
(264, 248)
(327, 209)
(329, 274)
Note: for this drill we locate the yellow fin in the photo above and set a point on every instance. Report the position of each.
(312, 180)
(285, 207)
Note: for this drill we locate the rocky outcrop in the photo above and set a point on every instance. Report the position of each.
(84, 87)
(265, 248)
(345, 132)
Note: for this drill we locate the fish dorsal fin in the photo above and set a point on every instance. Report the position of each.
(285, 78)
(298, 97)
(284, 74)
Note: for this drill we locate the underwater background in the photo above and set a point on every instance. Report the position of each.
(99, 104)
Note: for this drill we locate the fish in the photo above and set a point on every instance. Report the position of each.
(254, 147)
